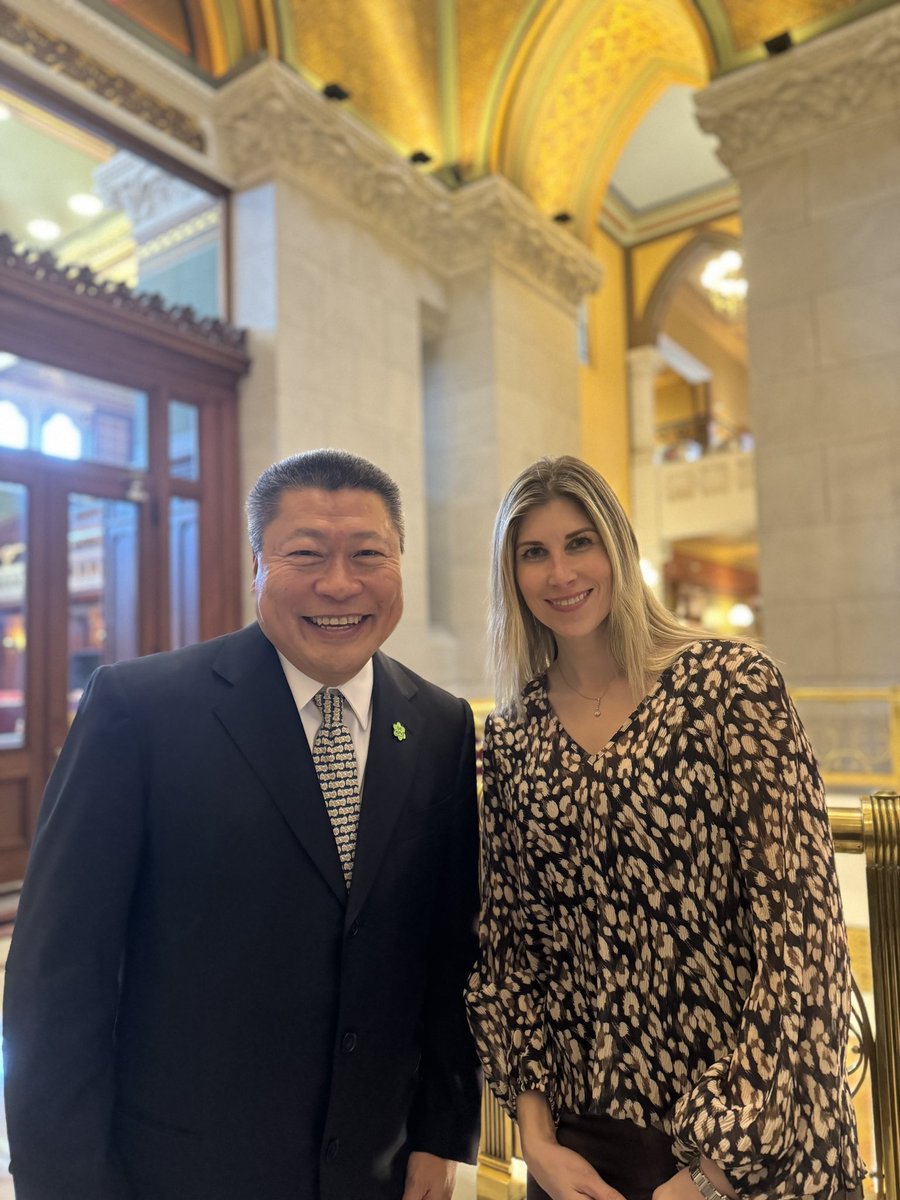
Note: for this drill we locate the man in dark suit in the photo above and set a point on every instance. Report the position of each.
(229, 979)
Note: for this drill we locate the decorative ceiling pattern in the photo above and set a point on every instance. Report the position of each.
(386, 57)
(755, 23)
(545, 92)
(574, 109)
(489, 33)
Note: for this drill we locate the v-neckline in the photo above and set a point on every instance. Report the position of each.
(616, 733)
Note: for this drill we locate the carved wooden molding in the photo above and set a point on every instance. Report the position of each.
(270, 124)
(841, 78)
(39, 276)
(65, 58)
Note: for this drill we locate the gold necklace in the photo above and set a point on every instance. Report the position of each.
(598, 712)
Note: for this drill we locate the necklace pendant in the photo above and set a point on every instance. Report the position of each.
(597, 711)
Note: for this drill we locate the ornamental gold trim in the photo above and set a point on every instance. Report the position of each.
(67, 60)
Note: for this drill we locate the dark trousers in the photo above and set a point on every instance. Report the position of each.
(632, 1160)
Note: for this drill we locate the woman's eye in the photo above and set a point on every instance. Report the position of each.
(578, 543)
(532, 552)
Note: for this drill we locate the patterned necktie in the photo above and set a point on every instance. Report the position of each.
(335, 762)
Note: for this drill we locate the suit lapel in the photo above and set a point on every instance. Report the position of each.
(260, 715)
(390, 770)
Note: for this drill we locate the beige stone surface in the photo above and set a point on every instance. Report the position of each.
(860, 321)
(791, 487)
(815, 145)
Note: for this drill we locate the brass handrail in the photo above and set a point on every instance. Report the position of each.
(872, 828)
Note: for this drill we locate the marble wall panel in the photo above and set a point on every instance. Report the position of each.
(791, 487)
(860, 321)
(868, 640)
(782, 336)
(801, 633)
(862, 479)
(861, 162)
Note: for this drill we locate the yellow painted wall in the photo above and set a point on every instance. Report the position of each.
(674, 400)
(604, 381)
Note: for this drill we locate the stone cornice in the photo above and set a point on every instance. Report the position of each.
(270, 124)
(67, 46)
(833, 81)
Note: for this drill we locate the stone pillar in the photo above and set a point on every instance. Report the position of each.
(644, 364)
(431, 331)
(812, 138)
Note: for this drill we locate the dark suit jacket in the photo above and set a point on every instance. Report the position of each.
(195, 1010)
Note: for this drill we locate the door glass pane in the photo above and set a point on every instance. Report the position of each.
(68, 415)
(184, 440)
(13, 535)
(103, 587)
(184, 571)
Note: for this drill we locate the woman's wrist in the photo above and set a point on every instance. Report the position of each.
(535, 1120)
(710, 1180)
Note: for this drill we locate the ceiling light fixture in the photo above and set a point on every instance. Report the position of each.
(7, 360)
(43, 230)
(85, 204)
(723, 283)
(5, 113)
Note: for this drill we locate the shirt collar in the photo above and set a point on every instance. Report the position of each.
(357, 691)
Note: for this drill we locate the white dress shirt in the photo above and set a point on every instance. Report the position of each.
(357, 707)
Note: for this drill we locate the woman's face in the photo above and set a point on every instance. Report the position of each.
(562, 570)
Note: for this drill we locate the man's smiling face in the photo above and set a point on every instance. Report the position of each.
(328, 583)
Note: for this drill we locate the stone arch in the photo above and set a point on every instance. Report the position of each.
(648, 326)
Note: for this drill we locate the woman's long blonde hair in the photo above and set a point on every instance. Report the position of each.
(644, 636)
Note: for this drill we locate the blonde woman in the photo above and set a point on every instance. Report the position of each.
(662, 995)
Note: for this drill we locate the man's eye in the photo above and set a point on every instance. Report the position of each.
(370, 554)
(304, 554)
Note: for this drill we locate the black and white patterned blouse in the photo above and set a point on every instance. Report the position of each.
(662, 937)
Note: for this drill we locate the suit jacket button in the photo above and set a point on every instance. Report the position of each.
(349, 1042)
(332, 1150)
(353, 930)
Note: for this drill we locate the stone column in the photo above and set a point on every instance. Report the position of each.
(644, 364)
(812, 138)
(431, 331)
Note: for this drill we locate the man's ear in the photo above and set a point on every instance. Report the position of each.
(255, 569)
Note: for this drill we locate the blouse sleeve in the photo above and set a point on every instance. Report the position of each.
(506, 994)
(777, 1108)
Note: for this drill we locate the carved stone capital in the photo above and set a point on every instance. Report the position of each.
(270, 124)
(834, 81)
(153, 199)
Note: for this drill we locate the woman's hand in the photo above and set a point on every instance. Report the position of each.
(565, 1175)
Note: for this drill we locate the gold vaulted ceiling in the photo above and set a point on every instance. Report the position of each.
(547, 92)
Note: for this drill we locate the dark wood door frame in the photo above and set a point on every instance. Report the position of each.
(65, 317)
